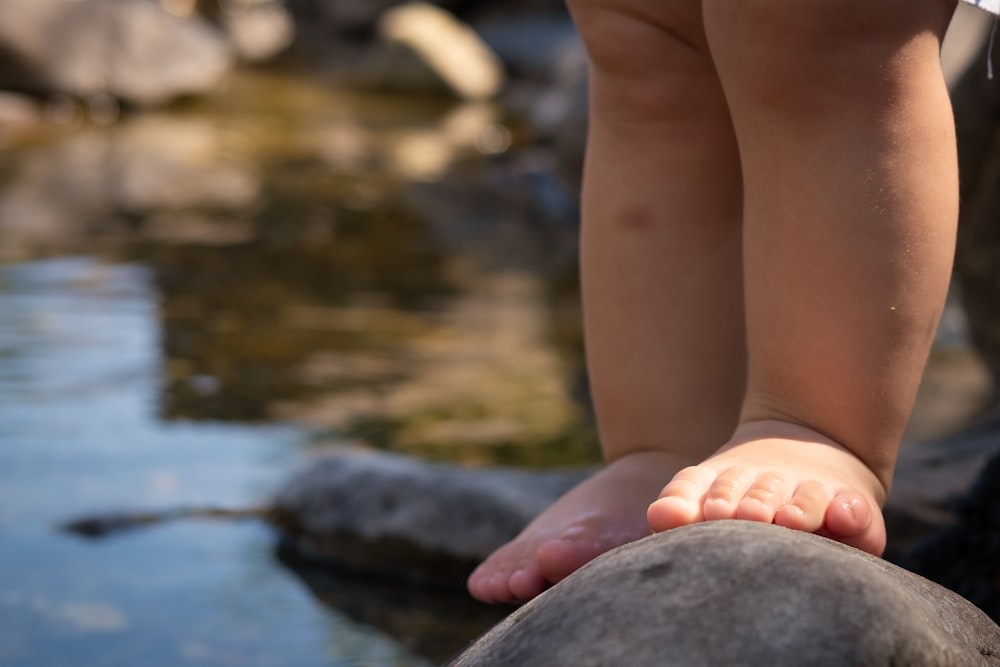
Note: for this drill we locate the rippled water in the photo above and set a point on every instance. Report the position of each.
(192, 301)
(80, 432)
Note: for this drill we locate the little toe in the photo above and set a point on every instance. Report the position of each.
(762, 500)
(848, 515)
(806, 509)
(680, 502)
(725, 493)
(490, 582)
(851, 519)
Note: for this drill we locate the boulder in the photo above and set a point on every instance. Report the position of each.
(393, 515)
(740, 593)
(133, 49)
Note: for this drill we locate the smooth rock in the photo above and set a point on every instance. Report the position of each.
(133, 49)
(390, 514)
(420, 36)
(740, 593)
(258, 29)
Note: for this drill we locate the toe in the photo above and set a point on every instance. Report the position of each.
(762, 500)
(848, 515)
(560, 558)
(855, 521)
(725, 493)
(680, 502)
(526, 583)
(490, 582)
(806, 509)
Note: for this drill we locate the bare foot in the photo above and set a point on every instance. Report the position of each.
(779, 473)
(604, 511)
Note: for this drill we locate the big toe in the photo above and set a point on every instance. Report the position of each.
(680, 503)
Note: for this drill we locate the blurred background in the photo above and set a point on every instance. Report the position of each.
(236, 232)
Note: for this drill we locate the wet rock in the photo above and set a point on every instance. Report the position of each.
(740, 593)
(392, 515)
(425, 48)
(132, 49)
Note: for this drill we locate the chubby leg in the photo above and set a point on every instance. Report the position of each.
(849, 169)
(661, 270)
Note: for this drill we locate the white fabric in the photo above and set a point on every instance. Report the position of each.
(988, 5)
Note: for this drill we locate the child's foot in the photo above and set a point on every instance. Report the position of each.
(783, 474)
(605, 511)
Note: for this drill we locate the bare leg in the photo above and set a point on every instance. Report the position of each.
(849, 169)
(663, 301)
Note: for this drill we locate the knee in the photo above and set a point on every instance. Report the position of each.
(788, 51)
(648, 63)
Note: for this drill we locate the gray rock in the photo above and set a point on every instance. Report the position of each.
(740, 593)
(395, 515)
(132, 49)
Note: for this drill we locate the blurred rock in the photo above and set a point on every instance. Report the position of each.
(548, 82)
(19, 115)
(427, 49)
(530, 44)
(392, 515)
(132, 49)
(338, 16)
(740, 593)
(258, 29)
(418, 153)
(976, 101)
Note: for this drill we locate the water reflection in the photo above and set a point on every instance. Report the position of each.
(175, 285)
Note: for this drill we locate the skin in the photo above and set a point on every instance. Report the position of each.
(769, 210)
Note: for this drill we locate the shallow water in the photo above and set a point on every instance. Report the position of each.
(192, 301)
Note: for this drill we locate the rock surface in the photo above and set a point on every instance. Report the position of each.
(740, 593)
(392, 514)
(389, 514)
